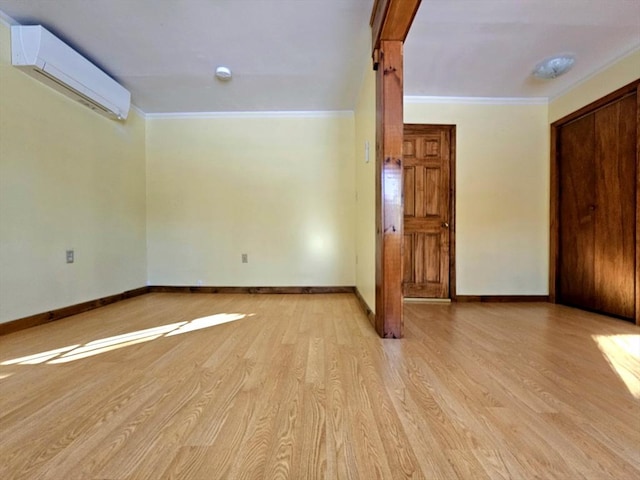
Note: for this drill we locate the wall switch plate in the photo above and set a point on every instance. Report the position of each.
(70, 256)
(245, 258)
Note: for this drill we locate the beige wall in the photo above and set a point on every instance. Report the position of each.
(502, 194)
(365, 120)
(617, 75)
(69, 178)
(280, 189)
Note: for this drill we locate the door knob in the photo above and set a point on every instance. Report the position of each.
(445, 225)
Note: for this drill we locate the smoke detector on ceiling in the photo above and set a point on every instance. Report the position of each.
(554, 67)
(223, 73)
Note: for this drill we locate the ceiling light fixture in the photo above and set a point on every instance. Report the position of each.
(554, 67)
(223, 73)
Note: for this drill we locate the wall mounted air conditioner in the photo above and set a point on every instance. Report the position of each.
(45, 57)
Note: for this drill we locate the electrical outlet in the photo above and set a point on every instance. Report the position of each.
(245, 258)
(199, 283)
(70, 256)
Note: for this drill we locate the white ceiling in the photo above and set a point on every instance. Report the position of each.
(290, 55)
(488, 48)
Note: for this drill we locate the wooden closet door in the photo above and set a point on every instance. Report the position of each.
(575, 272)
(615, 212)
(597, 211)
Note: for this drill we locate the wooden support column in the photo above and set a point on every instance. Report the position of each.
(389, 206)
(390, 23)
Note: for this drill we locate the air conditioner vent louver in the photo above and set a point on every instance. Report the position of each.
(43, 56)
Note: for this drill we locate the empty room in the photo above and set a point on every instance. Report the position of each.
(319, 239)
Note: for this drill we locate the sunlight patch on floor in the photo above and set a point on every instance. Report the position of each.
(147, 332)
(108, 344)
(85, 352)
(39, 357)
(623, 354)
(206, 322)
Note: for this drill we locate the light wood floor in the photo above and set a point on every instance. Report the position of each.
(300, 387)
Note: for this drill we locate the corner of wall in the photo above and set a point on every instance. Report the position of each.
(365, 128)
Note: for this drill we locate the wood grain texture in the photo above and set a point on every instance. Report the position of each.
(59, 313)
(429, 188)
(576, 280)
(389, 216)
(301, 387)
(615, 255)
(595, 196)
(637, 317)
(391, 20)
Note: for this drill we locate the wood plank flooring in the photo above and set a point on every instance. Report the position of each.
(301, 387)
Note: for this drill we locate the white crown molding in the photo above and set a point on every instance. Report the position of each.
(254, 114)
(7, 20)
(139, 111)
(596, 72)
(417, 99)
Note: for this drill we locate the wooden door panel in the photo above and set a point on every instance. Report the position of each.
(409, 148)
(597, 210)
(425, 224)
(433, 192)
(431, 145)
(432, 248)
(426, 248)
(409, 188)
(426, 211)
(426, 277)
(420, 192)
(577, 193)
(595, 231)
(614, 267)
(407, 259)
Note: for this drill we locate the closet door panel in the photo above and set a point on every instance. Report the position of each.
(575, 274)
(615, 222)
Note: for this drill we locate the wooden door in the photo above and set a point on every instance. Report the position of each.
(428, 156)
(577, 213)
(615, 208)
(596, 266)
